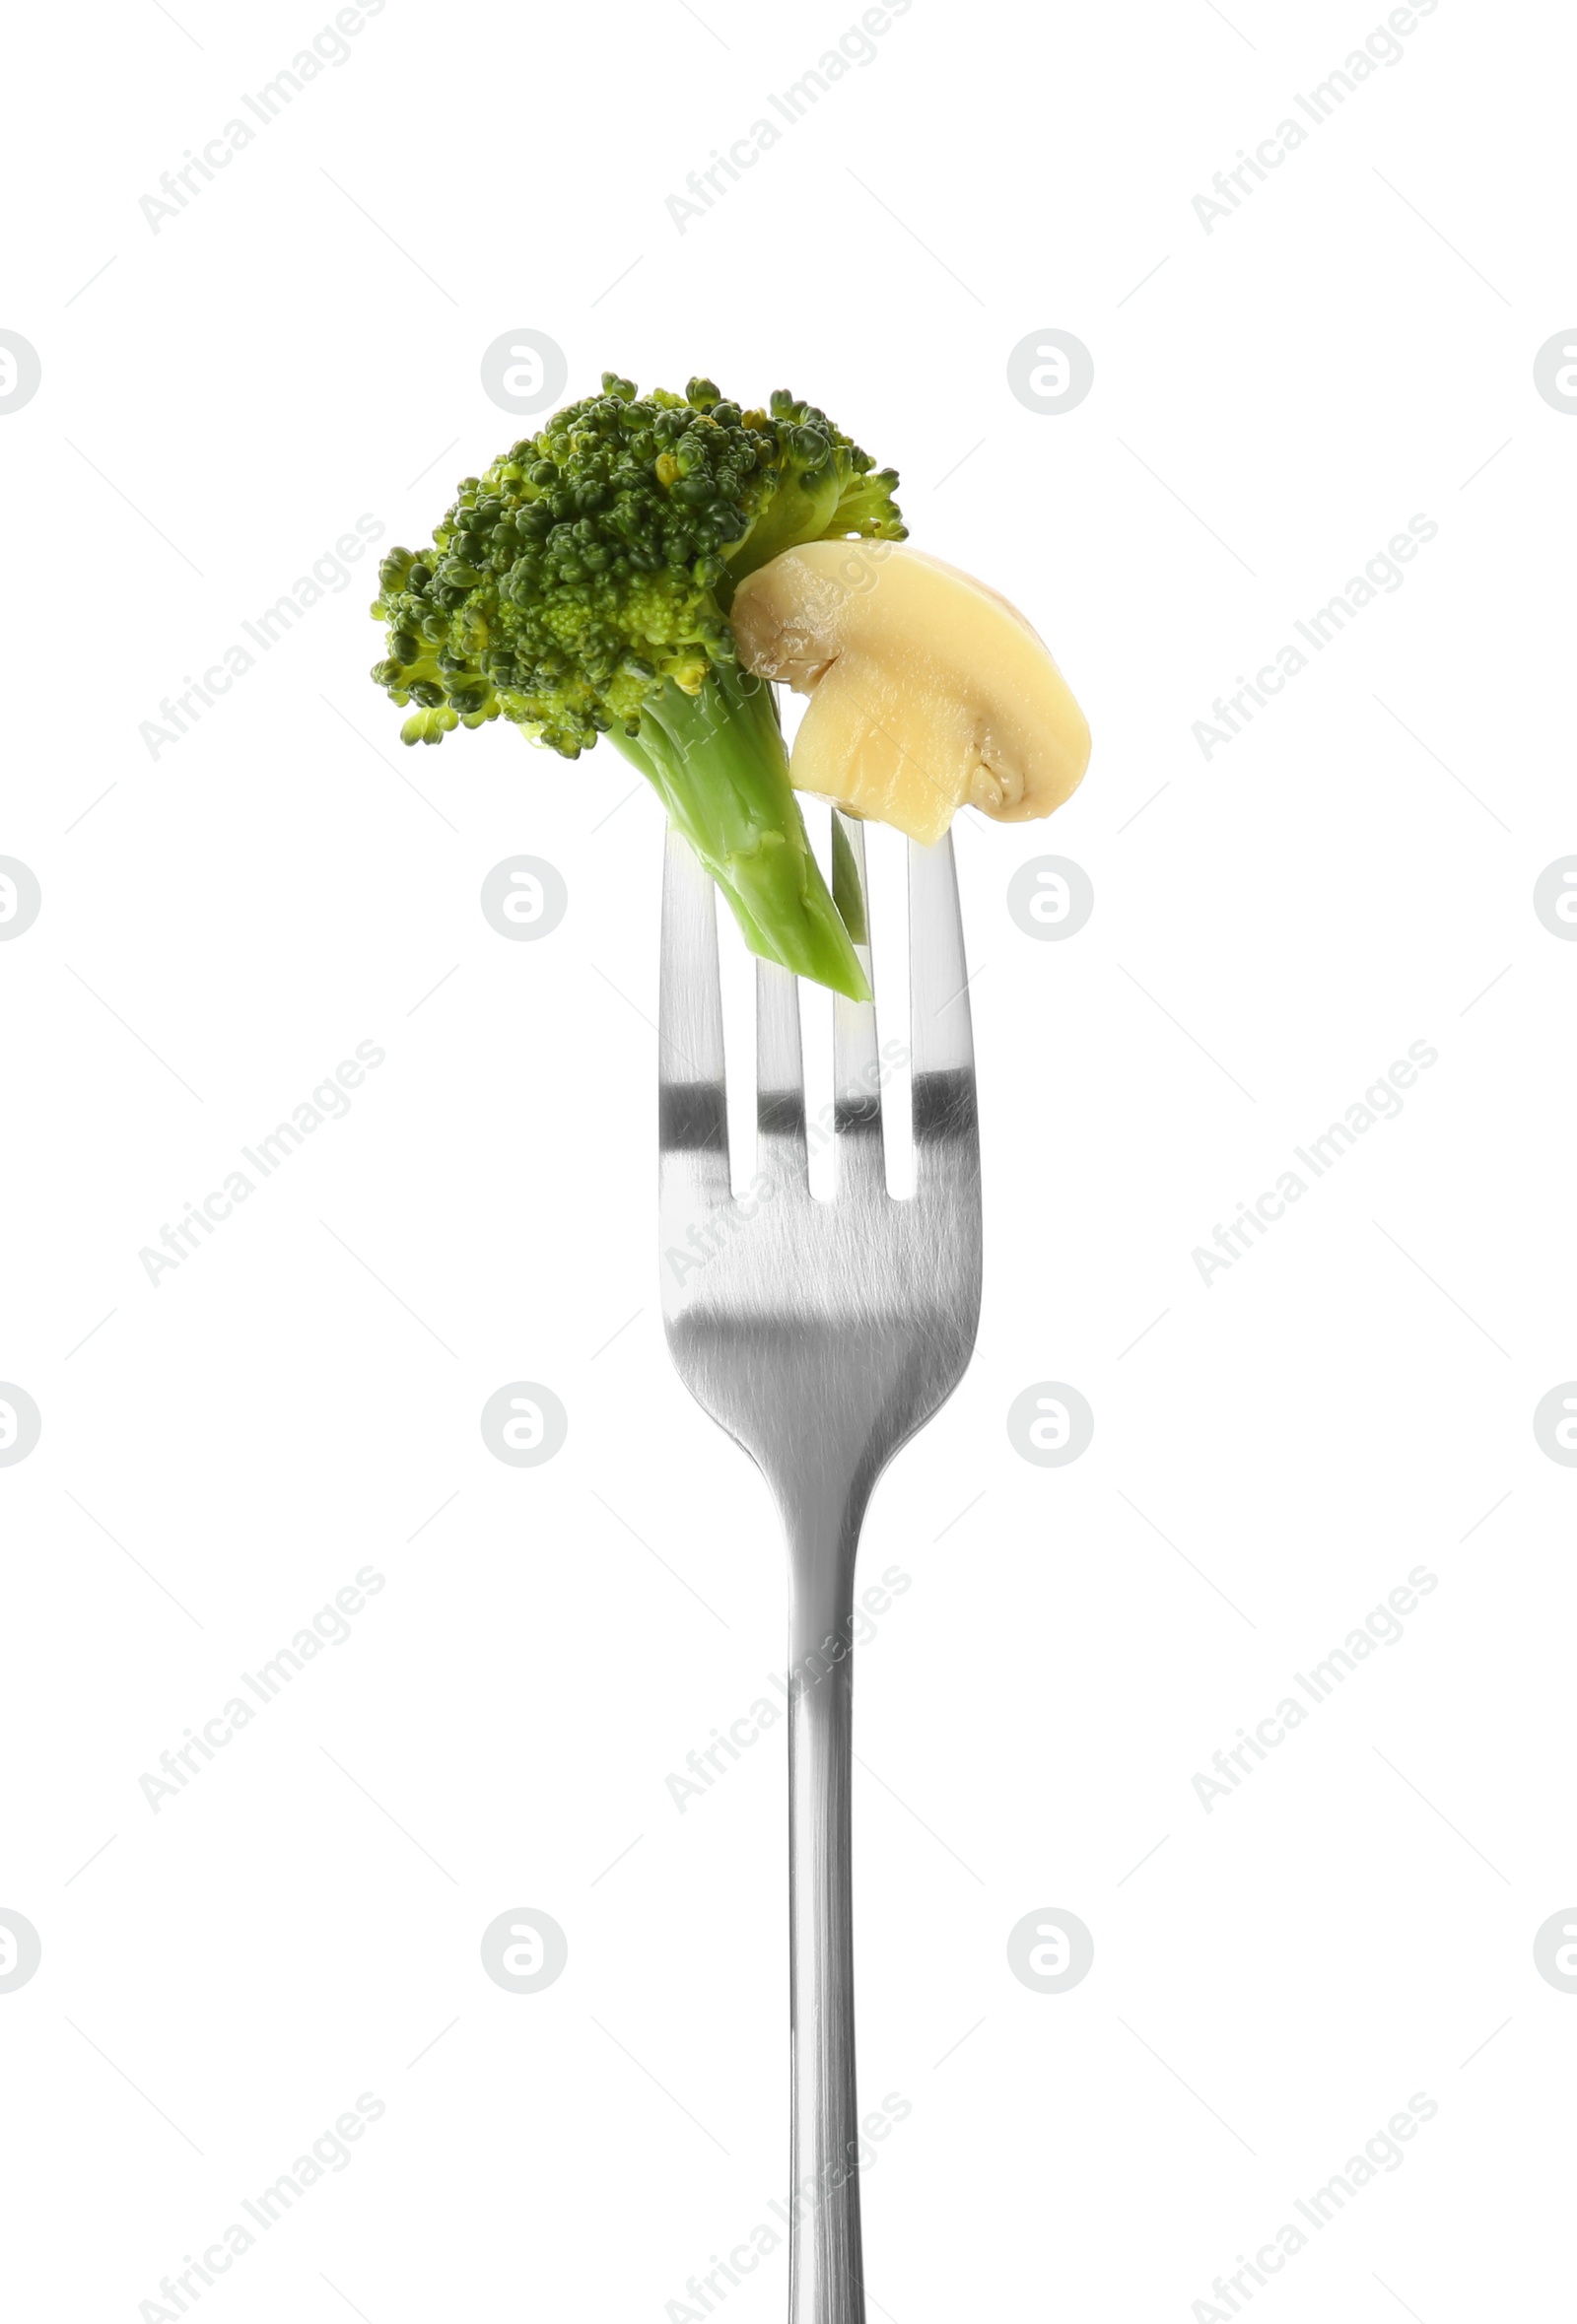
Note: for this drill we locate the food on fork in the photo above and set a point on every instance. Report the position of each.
(587, 584)
(582, 587)
(928, 692)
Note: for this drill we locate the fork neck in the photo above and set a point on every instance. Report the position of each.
(823, 1540)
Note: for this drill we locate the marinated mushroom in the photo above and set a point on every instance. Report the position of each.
(927, 690)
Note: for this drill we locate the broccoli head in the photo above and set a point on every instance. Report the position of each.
(581, 587)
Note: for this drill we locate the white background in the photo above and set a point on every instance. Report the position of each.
(221, 925)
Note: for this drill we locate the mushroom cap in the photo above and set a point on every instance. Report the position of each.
(928, 690)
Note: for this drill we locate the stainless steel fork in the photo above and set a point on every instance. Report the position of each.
(822, 1335)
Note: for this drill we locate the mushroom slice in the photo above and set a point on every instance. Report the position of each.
(927, 690)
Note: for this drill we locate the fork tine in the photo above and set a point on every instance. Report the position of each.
(941, 1039)
(692, 1111)
(855, 1072)
(780, 1076)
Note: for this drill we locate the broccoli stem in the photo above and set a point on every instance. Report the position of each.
(717, 761)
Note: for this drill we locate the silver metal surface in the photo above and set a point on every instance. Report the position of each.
(822, 1335)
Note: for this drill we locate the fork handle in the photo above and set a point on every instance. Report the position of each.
(825, 2275)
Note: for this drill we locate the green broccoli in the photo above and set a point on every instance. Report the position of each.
(582, 587)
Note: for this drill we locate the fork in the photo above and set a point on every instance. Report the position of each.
(822, 1335)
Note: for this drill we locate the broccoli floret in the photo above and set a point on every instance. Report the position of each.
(581, 587)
